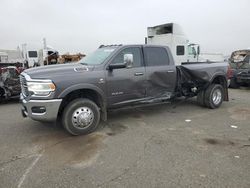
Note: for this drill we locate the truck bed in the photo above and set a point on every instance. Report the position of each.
(204, 71)
(192, 78)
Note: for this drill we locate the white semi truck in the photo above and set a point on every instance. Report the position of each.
(172, 35)
(37, 56)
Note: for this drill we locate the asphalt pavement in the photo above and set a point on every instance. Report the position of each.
(170, 145)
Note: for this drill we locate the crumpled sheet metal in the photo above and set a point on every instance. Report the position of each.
(9, 81)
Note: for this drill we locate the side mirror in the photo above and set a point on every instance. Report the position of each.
(128, 60)
(127, 63)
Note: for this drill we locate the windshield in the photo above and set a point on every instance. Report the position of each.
(97, 57)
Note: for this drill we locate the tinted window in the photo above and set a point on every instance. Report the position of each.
(136, 51)
(156, 56)
(180, 50)
(32, 53)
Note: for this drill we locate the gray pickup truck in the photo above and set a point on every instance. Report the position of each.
(116, 76)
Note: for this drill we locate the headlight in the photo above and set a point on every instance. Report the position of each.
(41, 88)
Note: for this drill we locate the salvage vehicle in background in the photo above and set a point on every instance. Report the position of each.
(116, 76)
(240, 64)
(9, 82)
(11, 65)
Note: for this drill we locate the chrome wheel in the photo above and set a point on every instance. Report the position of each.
(217, 96)
(82, 117)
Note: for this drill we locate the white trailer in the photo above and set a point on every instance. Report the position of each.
(3, 57)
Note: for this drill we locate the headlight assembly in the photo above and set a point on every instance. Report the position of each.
(41, 88)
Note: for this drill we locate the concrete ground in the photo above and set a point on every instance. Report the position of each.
(171, 145)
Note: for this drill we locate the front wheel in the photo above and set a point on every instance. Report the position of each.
(81, 116)
(214, 96)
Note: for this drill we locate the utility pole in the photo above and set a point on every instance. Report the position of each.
(45, 50)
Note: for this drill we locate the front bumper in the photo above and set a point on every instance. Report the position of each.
(41, 110)
(242, 79)
(243, 76)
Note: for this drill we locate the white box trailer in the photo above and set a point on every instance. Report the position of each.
(3, 57)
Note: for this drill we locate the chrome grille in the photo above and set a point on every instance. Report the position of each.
(24, 86)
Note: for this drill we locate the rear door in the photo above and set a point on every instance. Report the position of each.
(126, 85)
(160, 72)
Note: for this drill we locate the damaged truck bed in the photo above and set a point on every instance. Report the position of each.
(117, 76)
(198, 76)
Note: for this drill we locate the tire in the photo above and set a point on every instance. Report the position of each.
(214, 96)
(233, 83)
(201, 98)
(81, 116)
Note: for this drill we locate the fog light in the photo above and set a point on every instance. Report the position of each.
(38, 109)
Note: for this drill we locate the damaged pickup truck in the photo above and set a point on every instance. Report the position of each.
(117, 76)
(240, 64)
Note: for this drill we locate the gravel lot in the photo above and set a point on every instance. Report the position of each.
(171, 145)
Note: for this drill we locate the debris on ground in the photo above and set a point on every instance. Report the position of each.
(234, 126)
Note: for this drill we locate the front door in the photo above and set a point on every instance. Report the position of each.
(126, 85)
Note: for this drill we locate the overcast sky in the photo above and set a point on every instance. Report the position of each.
(81, 26)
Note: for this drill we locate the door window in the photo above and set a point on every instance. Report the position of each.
(135, 51)
(156, 56)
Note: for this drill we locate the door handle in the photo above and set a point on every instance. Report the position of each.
(138, 74)
(170, 71)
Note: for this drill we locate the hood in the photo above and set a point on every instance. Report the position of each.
(49, 71)
(240, 59)
(239, 55)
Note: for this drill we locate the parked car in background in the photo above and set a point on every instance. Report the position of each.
(240, 64)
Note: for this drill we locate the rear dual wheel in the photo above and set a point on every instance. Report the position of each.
(212, 97)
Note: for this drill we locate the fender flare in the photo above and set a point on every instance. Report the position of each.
(217, 75)
(90, 87)
(82, 86)
(226, 97)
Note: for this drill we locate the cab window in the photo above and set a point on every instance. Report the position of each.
(135, 51)
(180, 50)
(156, 56)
